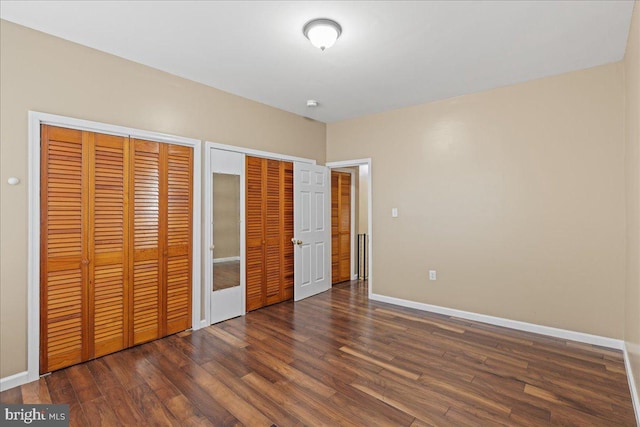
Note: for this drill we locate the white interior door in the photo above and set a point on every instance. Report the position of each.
(227, 235)
(312, 229)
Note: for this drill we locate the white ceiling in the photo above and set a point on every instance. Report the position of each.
(391, 54)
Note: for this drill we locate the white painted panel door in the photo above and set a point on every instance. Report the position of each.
(312, 229)
(226, 268)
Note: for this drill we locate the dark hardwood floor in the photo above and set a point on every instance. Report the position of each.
(340, 359)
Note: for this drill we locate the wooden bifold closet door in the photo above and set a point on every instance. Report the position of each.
(161, 243)
(97, 227)
(269, 230)
(340, 227)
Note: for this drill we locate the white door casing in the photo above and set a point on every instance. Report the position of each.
(312, 230)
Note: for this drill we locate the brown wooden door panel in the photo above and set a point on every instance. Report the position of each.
(272, 232)
(145, 303)
(109, 244)
(255, 239)
(179, 236)
(269, 230)
(63, 274)
(340, 226)
(287, 260)
(146, 272)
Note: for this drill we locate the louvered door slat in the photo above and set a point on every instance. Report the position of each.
(63, 296)
(145, 269)
(179, 235)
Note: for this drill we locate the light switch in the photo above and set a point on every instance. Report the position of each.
(394, 212)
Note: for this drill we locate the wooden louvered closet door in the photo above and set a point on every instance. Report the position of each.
(179, 236)
(147, 243)
(116, 229)
(83, 274)
(340, 227)
(161, 243)
(108, 243)
(254, 233)
(269, 231)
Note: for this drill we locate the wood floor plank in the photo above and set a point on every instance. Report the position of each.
(384, 365)
(99, 413)
(340, 359)
(83, 383)
(261, 402)
(36, 392)
(122, 407)
(147, 403)
(288, 402)
(226, 336)
(13, 396)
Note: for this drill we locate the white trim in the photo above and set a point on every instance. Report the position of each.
(635, 397)
(14, 380)
(258, 153)
(226, 259)
(196, 256)
(33, 249)
(508, 323)
(106, 128)
(359, 162)
(33, 274)
(243, 236)
(207, 237)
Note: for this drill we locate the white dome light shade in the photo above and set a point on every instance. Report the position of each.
(322, 33)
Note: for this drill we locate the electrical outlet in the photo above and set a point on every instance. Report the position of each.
(432, 275)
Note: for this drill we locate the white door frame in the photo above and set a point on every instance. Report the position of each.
(352, 234)
(359, 162)
(33, 263)
(208, 213)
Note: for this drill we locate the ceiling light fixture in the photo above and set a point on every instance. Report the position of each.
(322, 33)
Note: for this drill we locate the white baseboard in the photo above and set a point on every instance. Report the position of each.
(635, 397)
(203, 324)
(14, 380)
(508, 323)
(227, 259)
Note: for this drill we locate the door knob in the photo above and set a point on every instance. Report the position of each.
(296, 242)
(212, 247)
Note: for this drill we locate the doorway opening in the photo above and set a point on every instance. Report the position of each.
(354, 192)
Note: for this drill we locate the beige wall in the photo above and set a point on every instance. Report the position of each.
(515, 196)
(43, 73)
(226, 215)
(632, 127)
